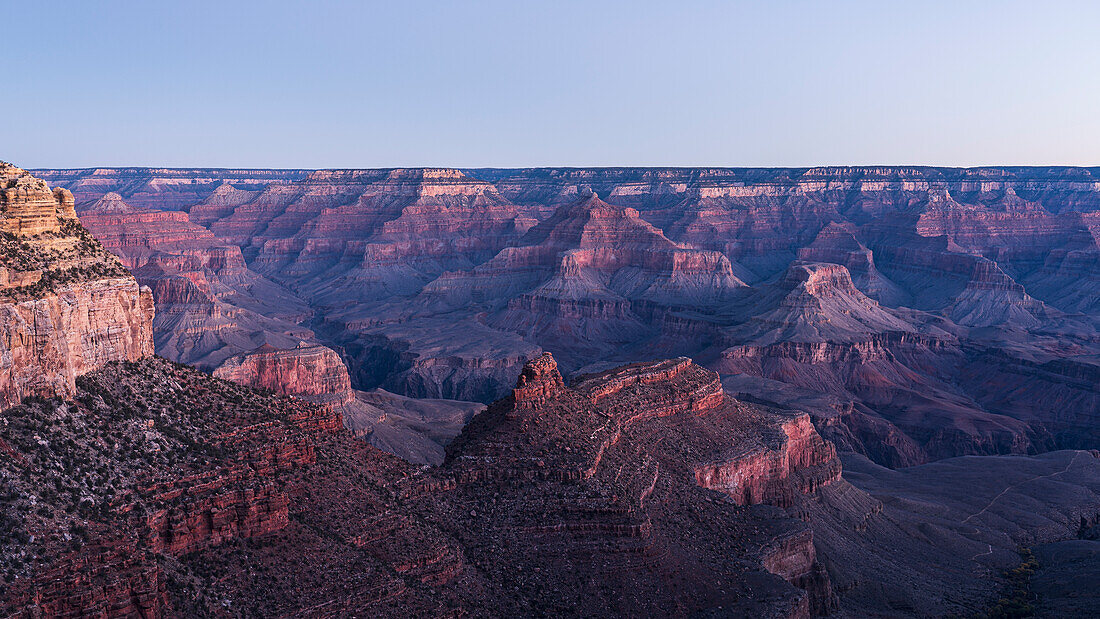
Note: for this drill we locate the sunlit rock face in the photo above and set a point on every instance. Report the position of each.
(915, 313)
(67, 306)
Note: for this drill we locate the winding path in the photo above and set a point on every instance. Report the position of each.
(1018, 484)
(1010, 487)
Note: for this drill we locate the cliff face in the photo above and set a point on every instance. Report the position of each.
(308, 371)
(66, 305)
(803, 463)
(46, 343)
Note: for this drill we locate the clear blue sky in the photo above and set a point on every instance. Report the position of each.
(525, 82)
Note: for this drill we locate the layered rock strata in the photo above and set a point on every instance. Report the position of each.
(67, 306)
(441, 283)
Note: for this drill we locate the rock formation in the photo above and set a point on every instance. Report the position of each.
(958, 285)
(67, 306)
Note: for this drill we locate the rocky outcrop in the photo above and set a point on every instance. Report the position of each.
(625, 449)
(117, 580)
(838, 243)
(537, 383)
(67, 307)
(889, 374)
(413, 429)
(802, 464)
(221, 203)
(309, 371)
(794, 557)
(816, 302)
(28, 205)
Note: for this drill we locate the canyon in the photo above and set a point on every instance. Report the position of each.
(665, 398)
(915, 313)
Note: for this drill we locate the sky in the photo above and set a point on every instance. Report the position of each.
(538, 83)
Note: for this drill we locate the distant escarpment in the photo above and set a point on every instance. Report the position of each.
(67, 306)
(866, 296)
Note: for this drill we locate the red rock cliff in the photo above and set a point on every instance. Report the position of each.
(66, 305)
(308, 370)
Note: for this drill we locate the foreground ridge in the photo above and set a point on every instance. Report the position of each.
(200, 466)
(161, 491)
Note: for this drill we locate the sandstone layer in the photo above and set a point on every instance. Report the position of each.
(67, 306)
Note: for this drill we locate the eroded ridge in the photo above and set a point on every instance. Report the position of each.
(586, 503)
(622, 466)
